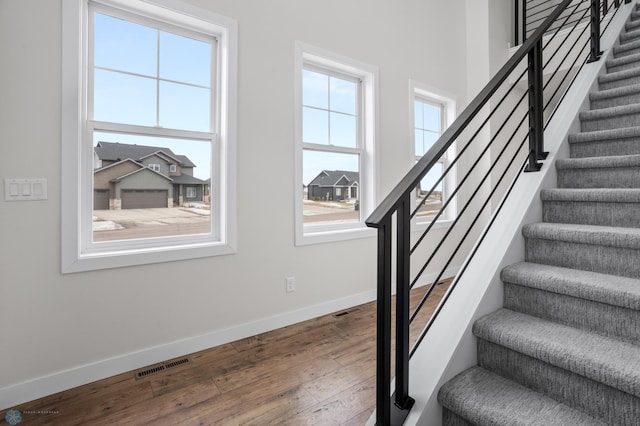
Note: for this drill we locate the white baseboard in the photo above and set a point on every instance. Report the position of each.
(20, 393)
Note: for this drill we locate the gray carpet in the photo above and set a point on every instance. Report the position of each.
(565, 349)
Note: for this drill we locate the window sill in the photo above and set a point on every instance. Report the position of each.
(321, 236)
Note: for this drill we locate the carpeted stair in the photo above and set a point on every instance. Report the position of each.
(565, 349)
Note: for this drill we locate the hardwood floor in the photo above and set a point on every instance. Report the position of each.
(318, 372)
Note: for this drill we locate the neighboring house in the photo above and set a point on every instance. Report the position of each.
(334, 185)
(138, 176)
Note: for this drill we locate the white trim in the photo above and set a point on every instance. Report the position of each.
(368, 75)
(78, 256)
(30, 390)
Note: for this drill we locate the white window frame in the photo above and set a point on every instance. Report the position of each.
(425, 93)
(79, 253)
(173, 168)
(192, 190)
(308, 55)
(155, 167)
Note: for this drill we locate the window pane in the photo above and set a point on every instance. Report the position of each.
(133, 195)
(432, 118)
(124, 98)
(343, 130)
(419, 136)
(184, 107)
(315, 89)
(430, 138)
(185, 60)
(331, 187)
(434, 201)
(125, 46)
(343, 95)
(315, 126)
(418, 115)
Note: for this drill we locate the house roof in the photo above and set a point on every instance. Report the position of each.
(336, 178)
(141, 170)
(186, 179)
(115, 151)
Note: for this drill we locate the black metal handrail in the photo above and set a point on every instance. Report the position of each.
(527, 111)
(529, 14)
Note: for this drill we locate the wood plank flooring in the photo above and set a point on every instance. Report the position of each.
(318, 372)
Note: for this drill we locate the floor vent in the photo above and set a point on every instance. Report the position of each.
(159, 368)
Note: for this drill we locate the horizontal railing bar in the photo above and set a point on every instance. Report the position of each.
(459, 215)
(565, 57)
(471, 139)
(566, 75)
(460, 273)
(556, 32)
(475, 220)
(420, 169)
(464, 179)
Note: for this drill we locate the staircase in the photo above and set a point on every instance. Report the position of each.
(565, 348)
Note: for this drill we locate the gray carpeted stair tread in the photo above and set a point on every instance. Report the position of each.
(608, 236)
(602, 359)
(484, 398)
(598, 162)
(632, 89)
(599, 195)
(624, 49)
(632, 25)
(603, 135)
(624, 62)
(612, 290)
(610, 117)
(619, 75)
(628, 36)
(610, 112)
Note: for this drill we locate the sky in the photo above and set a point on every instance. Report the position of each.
(137, 81)
(147, 77)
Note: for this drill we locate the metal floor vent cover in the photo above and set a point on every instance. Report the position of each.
(159, 368)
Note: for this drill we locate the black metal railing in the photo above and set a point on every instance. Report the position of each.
(530, 14)
(499, 134)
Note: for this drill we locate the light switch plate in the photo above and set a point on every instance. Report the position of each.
(30, 189)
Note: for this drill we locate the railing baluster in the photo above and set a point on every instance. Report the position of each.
(516, 13)
(402, 400)
(383, 326)
(536, 104)
(595, 31)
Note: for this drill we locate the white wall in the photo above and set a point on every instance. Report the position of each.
(59, 331)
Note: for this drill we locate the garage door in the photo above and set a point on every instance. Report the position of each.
(144, 199)
(101, 199)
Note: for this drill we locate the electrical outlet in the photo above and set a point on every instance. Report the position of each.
(291, 284)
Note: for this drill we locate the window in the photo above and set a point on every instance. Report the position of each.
(335, 139)
(154, 86)
(433, 112)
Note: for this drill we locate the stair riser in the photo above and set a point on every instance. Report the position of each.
(449, 418)
(592, 213)
(606, 148)
(625, 50)
(619, 83)
(632, 26)
(615, 122)
(622, 67)
(601, 318)
(629, 99)
(629, 36)
(598, 400)
(613, 177)
(586, 257)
